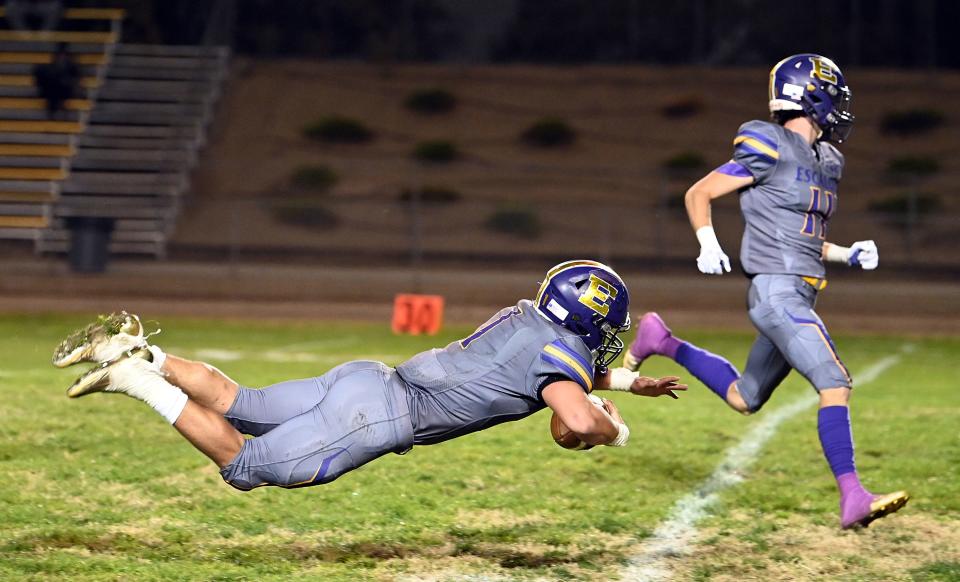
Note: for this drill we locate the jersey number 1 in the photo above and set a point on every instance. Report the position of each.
(487, 327)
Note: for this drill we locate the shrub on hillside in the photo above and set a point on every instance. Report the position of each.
(518, 222)
(305, 213)
(911, 121)
(684, 161)
(436, 151)
(337, 129)
(549, 132)
(913, 166)
(431, 195)
(314, 177)
(682, 107)
(431, 101)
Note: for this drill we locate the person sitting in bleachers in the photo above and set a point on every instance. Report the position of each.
(57, 81)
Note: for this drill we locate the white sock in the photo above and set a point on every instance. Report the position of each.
(159, 356)
(140, 379)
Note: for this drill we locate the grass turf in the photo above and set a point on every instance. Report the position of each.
(102, 488)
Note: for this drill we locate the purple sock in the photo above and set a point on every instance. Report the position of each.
(669, 346)
(714, 371)
(836, 438)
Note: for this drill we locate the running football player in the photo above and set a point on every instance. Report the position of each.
(550, 352)
(786, 172)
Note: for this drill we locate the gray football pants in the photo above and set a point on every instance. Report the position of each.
(792, 335)
(311, 431)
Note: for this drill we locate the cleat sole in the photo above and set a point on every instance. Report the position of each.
(94, 380)
(883, 506)
(97, 379)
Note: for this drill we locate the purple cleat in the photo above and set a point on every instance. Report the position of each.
(859, 508)
(653, 337)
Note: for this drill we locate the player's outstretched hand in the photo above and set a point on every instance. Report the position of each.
(653, 387)
(864, 253)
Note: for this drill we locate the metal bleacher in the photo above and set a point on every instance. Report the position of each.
(122, 152)
(35, 152)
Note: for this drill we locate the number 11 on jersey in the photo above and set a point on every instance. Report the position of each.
(821, 207)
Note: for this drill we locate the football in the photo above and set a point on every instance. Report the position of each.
(566, 438)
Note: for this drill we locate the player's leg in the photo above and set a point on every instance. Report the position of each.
(654, 337)
(366, 417)
(204, 384)
(114, 336)
(858, 506)
(251, 411)
(787, 317)
(765, 370)
(138, 377)
(362, 416)
(210, 433)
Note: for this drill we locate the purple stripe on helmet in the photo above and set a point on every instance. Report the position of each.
(744, 145)
(734, 169)
(761, 138)
(565, 367)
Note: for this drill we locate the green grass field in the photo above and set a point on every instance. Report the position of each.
(101, 488)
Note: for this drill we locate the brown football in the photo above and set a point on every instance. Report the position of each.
(564, 437)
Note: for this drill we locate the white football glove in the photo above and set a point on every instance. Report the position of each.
(712, 260)
(865, 254)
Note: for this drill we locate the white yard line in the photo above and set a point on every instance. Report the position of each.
(319, 345)
(676, 534)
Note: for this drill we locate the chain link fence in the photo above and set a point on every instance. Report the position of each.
(421, 231)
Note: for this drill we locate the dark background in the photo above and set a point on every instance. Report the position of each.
(877, 33)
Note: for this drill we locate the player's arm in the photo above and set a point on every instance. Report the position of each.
(593, 425)
(717, 183)
(863, 254)
(623, 380)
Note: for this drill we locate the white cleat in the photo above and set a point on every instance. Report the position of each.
(120, 375)
(104, 340)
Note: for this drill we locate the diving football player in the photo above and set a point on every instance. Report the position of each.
(786, 173)
(549, 352)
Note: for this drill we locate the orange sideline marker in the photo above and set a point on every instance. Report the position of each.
(417, 314)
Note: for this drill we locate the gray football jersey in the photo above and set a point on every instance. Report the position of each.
(789, 205)
(494, 375)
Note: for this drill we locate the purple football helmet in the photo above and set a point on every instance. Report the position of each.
(813, 84)
(590, 299)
